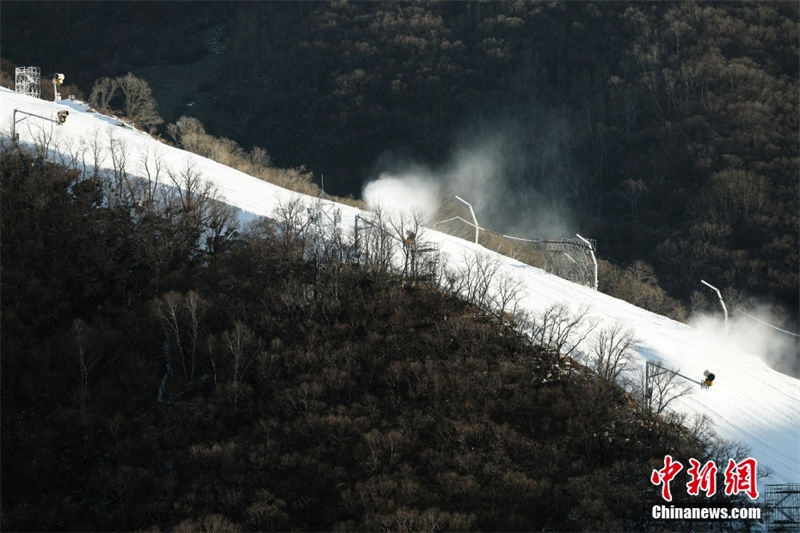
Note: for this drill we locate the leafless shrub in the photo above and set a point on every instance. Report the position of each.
(151, 165)
(180, 317)
(192, 192)
(87, 359)
(121, 183)
(97, 150)
(167, 309)
(419, 258)
(473, 279)
(297, 179)
(476, 281)
(292, 226)
(139, 105)
(507, 296)
(610, 354)
(638, 285)
(735, 194)
(103, 93)
(212, 523)
(220, 225)
(70, 153)
(259, 158)
(374, 242)
(42, 139)
(560, 330)
(699, 428)
(189, 134)
(239, 343)
(326, 247)
(658, 388)
(211, 346)
(631, 191)
(126, 188)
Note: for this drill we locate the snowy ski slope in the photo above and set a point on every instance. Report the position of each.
(749, 402)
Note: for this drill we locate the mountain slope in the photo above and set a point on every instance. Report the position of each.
(749, 403)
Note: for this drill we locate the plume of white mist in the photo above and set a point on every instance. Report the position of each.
(486, 172)
(477, 173)
(411, 192)
(751, 334)
(515, 184)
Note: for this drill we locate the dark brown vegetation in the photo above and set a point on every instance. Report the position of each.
(668, 128)
(127, 96)
(162, 368)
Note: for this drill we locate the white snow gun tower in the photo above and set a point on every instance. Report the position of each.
(58, 79)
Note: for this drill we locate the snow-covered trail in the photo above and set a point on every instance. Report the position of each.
(749, 402)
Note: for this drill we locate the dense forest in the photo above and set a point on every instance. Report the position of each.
(666, 130)
(165, 368)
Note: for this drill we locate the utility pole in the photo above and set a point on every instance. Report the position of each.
(594, 259)
(721, 302)
(474, 220)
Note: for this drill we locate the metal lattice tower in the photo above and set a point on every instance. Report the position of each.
(325, 230)
(28, 80)
(782, 505)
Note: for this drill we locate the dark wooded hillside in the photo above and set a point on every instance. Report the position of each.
(162, 368)
(667, 130)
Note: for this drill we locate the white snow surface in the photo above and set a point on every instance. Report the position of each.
(749, 403)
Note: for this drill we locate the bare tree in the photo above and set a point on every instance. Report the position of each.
(192, 191)
(611, 352)
(406, 228)
(188, 133)
(95, 146)
(211, 345)
(212, 523)
(86, 359)
(168, 311)
(42, 139)
(122, 189)
(259, 157)
(560, 330)
(194, 307)
(69, 152)
(103, 93)
(239, 343)
(139, 105)
(374, 242)
(221, 225)
(658, 388)
(736, 194)
(699, 428)
(631, 191)
(506, 297)
(473, 279)
(180, 317)
(292, 226)
(151, 164)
